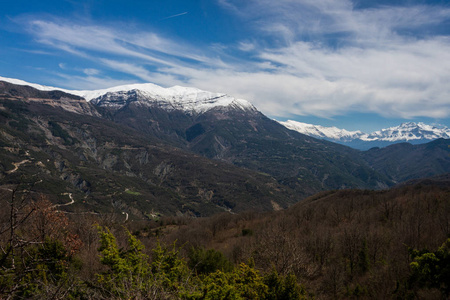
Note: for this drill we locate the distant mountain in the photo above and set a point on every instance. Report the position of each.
(318, 131)
(409, 132)
(414, 133)
(404, 161)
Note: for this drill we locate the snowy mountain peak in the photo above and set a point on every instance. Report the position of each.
(33, 85)
(188, 99)
(406, 132)
(409, 131)
(319, 131)
(175, 98)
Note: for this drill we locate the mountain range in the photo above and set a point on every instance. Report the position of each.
(414, 133)
(147, 150)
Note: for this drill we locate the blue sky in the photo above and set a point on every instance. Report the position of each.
(359, 64)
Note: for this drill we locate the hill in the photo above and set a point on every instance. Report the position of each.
(402, 162)
(335, 244)
(340, 244)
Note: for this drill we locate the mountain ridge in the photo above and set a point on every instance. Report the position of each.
(415, 133)
(189, 99)
(194, 100)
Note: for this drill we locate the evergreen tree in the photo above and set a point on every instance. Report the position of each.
(432, 269)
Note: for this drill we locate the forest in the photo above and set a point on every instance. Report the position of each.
(343, 244)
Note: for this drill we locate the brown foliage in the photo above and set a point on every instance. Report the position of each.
(341, 243)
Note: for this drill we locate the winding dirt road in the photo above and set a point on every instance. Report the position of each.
(72, 201)
(17, 165)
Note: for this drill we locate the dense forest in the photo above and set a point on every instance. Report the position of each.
(355, 244)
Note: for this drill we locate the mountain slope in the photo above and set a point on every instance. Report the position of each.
(242, 135)
(189, 100)
(54, 98)
(338, 241)
(108, 167)
(404, 161)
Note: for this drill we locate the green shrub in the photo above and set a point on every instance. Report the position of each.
(432, 269)
(208, 261)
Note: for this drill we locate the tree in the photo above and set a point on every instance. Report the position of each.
(130, 274)
(169, 272)
(128, 270)
(37, 250)
(432, 269)
(363, 258)
(207, 261)
(243, 283)
(283, 287)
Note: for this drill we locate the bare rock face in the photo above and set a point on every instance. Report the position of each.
(57, 99)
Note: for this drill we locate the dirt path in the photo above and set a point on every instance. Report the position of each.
(17, 165)
(126, 215)
(72, 201)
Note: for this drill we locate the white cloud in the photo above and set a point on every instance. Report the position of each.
(246, 46)
(370, 67)
(91, 72)
(140, 72)
(307, 19)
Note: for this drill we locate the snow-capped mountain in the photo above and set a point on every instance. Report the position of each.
(195, 101)
(409, 131)
(415, 133)
(148, 133)
(190, 100)
(34, 85)
(318, 131)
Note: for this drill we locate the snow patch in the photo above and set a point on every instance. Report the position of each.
(321, 131)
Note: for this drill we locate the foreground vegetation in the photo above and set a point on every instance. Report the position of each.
(338, 244)
(46, 255)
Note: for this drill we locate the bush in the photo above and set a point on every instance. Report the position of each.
(432, 269)
(208, 261)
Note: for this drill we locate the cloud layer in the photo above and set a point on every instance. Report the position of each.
(311, 57)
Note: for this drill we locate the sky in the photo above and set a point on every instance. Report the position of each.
(359, 65)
